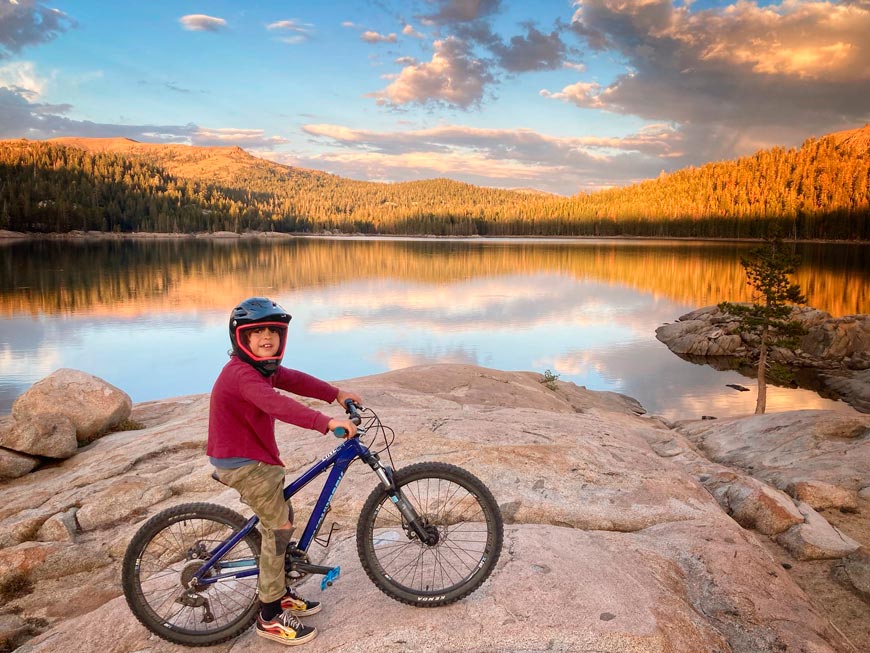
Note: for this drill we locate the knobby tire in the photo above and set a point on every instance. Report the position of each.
(468, 521)
(166, 549)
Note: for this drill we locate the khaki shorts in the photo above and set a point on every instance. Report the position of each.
(261, 487)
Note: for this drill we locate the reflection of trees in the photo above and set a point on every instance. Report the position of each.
(128, 276)
(800, 377)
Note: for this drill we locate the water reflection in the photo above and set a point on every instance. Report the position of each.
(150, 317)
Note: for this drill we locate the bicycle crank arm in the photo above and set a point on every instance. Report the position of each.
(309, 568)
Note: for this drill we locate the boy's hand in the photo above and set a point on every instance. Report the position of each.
(348, 426)
(345, 395)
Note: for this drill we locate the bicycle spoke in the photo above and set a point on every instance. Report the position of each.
(461, 523)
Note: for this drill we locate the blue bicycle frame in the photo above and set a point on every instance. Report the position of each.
(339, 459)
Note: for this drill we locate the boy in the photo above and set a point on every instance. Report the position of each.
(241, 446)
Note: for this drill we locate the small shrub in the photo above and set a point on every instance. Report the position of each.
(549, 379)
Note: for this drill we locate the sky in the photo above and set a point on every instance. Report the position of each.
(563, 96)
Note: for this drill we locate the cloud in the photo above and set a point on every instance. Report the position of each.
(374, 37)
(454, 76)
(246, 138)
(493, 157)
(469, 56)
(202, 23)
(461, 11)
(299, 32)
(20, 117)
(734, 79)
(21, 76)
(534, 51)
(28, 22)
(408, 30)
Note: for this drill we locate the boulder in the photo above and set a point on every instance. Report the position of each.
(816, 539)
(837, 349)
(14, 464)
(60, 527)
(92, 405)
(753, 504)
(21, 527)
(699, 338)
(835, 339)
(819, 495)
(44, 434)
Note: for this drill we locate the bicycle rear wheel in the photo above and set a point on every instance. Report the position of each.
(456, 507)
(162, 558)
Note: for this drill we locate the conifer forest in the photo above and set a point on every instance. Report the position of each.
(820, 190)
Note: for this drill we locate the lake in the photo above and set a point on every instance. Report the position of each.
(150, 316)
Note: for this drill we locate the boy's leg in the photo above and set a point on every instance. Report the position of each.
(261, 487)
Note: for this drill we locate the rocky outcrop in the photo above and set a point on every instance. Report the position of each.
(92, 405)
(837, 349)
(55, 416)
(617, 519)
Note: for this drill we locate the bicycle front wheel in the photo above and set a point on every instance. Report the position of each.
(161, 560)
(465, 523)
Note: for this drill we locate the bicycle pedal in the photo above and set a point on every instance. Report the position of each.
(329, 578)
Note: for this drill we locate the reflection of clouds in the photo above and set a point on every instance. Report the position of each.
(29, 348)
(492, 304)
(397, 359)
(667, 385)
(572, 363)
(23, 366)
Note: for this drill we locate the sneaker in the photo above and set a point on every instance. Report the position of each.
(285, 628)
(298, 606)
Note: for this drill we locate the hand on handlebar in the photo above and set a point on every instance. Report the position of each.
(344, 395)
(342, 428)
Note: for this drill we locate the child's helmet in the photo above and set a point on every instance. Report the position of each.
(256, 312)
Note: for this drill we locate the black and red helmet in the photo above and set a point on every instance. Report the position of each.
(254, 313)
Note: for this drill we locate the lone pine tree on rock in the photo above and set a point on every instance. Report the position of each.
(769, 316)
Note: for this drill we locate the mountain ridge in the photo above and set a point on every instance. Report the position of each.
(818, 191)
(858, 138)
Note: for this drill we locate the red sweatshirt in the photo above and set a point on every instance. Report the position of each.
(245, 405)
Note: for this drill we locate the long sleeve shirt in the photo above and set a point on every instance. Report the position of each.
(245, 404)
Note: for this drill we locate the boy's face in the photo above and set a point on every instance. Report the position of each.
(264, 342)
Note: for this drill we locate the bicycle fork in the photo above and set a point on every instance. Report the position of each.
(426, 534)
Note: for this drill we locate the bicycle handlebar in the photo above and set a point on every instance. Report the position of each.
(351, 408)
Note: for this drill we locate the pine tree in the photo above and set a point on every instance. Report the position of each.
(767, 269)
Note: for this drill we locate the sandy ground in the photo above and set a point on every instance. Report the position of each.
(846, 611)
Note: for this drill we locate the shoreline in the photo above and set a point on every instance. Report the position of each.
(7, 236)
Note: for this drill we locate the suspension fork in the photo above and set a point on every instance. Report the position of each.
(385, 475)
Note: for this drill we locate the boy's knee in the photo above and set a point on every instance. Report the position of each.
(282, 538)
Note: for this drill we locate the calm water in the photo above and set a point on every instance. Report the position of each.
(151, 316)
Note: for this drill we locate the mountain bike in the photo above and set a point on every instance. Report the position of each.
(429, 534)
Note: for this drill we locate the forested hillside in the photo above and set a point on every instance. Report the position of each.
(821, 190)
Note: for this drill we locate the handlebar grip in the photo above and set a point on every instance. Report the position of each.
(340, 432)
(350, 407)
